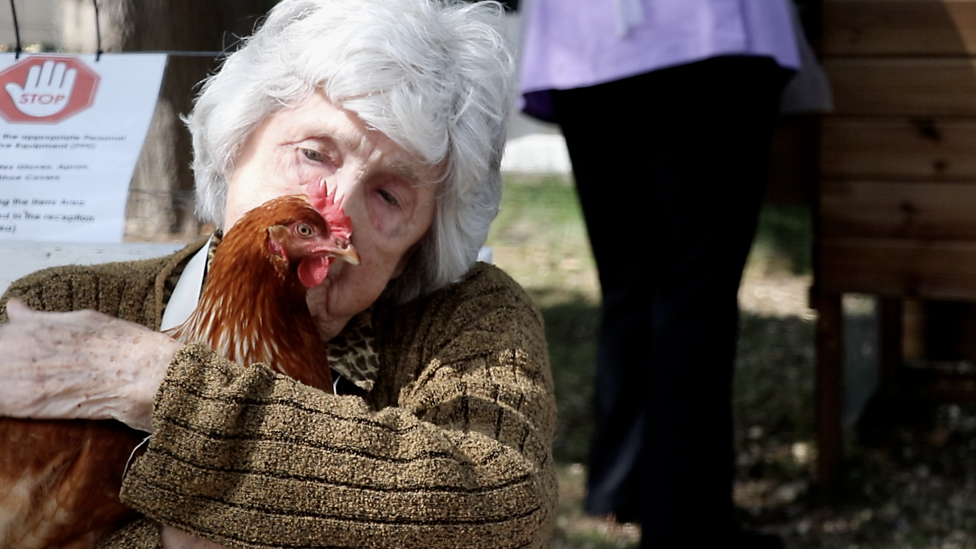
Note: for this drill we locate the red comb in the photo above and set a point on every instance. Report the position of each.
(322, 200)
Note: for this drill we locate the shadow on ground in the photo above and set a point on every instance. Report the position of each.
(916, 490)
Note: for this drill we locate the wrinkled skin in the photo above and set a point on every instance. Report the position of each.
(88, 365)
(48, 366)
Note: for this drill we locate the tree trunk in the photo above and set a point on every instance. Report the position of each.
(160, 204)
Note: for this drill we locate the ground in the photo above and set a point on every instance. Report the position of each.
(915, 488)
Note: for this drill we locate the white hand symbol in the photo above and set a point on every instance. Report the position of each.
(47, 90)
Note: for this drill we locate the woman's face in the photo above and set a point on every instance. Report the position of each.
(387, 192)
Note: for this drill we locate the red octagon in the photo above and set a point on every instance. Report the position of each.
(81, 96)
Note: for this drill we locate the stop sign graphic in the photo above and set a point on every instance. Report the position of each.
(46, 89)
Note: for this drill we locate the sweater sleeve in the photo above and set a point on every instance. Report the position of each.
(461, 457)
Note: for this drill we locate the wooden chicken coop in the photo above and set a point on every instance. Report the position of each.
(896, 196)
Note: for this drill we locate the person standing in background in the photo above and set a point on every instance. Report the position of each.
(668, 109)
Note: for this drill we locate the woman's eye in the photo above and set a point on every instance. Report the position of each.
(303, 230)
(389, 197)
(313, 155)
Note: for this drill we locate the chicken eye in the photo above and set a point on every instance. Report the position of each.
(304, 230)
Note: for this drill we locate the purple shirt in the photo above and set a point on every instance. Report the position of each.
(577, 43)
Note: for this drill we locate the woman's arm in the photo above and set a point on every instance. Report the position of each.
(81, 364)
(62, 359)
(247, 458)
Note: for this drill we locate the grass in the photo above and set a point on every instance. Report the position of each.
(540, 239)
(784, 241)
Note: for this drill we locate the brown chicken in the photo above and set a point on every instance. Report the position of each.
(274, 275)
(60, 480)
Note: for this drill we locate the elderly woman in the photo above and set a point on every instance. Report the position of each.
(440, 434)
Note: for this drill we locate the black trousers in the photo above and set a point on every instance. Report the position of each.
(670, 167)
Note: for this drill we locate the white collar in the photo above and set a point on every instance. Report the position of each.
(186, 294)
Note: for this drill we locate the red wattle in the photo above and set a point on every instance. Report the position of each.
(313, 270)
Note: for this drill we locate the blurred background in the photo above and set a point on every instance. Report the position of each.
(857, 300)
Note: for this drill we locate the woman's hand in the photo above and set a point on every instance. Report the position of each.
(80, 365)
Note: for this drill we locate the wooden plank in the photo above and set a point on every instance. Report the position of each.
(887, 27)
(829, 405)
(898, 148)
(913, 329)
(23, 258)
(928, 87)
(881, 209)
(933, 386)
(892, 284)
(897, 267)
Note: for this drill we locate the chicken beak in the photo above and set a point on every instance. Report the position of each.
(346, 251)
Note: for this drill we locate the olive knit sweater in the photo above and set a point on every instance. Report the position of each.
(450, 448)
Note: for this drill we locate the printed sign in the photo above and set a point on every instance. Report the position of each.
(71, 129)
(46, 90)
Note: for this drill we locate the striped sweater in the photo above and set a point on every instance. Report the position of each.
(450, 448)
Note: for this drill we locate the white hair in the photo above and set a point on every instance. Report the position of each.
(436, 77)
